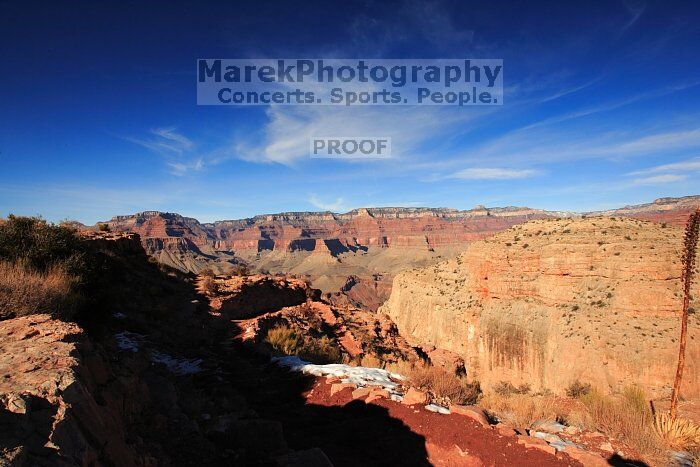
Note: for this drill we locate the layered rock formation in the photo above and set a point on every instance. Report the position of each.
(554, 301)
(371, 244)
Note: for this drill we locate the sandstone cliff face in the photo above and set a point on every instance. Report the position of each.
(553, 301)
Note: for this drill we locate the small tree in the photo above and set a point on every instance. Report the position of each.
(688, 262)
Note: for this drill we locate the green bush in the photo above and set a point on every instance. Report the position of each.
(40, 245)
(45, 268)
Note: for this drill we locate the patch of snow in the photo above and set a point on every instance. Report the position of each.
(682, 458)
(555, 441)
(128, 340)
(119, 315)
(177, 366)
(396, 397)
(358, 375)
(438, 409)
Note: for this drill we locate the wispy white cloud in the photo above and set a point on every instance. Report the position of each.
(336, 206)
(690, 165)
(572, 89)
(635, 9)
(659, 179)
(177, 150)
(164, 140)
(667, 173)
(183, 168)
(613, 105)
(493, 173)
(290, 128)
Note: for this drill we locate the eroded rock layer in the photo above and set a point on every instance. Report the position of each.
(550, 302)
(363, 248)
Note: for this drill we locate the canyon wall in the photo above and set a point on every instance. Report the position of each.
(364, 247)
(551, 301)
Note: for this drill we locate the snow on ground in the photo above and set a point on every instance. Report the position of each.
(437, 409)
(177, 366)
(130, 341)
(358, 375)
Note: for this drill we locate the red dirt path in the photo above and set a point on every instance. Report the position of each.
(453, 440)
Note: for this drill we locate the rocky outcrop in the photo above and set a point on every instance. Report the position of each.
(148, 379)
(47, 402)
(538, 303)
(242, 297)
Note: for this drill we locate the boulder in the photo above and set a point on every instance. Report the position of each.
(337, 387)
(589, 459)
(536, 443)
(475, 413)
(414, 396)
(376, 394)
(505, 430)
(359, 393)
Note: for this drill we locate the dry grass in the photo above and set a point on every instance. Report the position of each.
(319, 350)
(522, 410)
(284, 340)
(627, 417)
(24, 291)
(370, 361)
(440, 383)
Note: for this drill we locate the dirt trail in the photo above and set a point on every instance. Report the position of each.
(353, 433)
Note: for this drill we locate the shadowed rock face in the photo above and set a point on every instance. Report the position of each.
(540, 302)
(247, 297)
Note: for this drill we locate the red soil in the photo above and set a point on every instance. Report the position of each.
(452, 440)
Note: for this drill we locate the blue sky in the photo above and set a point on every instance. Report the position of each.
(98, 113)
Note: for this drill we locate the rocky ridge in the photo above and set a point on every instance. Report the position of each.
(369, 245)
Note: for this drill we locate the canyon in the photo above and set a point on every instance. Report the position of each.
(352, 257)
(165, 366)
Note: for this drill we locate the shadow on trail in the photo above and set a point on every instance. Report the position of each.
(353, 434)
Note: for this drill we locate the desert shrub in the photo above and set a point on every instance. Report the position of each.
(522, 410)
(103, 227)
(25, 291)
(677, 432)
(577, 389)
(40, 245)
(401, 367)
(627, 417)
(48, 265)
(505, 388)
(444, 384)
(370, 361)
(319, 350)
(284, 340)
